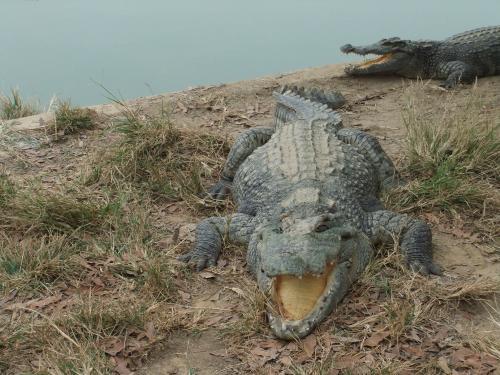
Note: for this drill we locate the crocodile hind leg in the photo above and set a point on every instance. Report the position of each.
(387, 175)
(415, 238)
(456, 72)
(245, 144)
(210, 234)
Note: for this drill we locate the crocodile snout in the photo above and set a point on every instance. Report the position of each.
(347, 48)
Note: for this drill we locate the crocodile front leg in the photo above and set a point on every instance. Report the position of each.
(209, 236)
(387, 175)
(455, 72)
(245, 144)
(415, 238)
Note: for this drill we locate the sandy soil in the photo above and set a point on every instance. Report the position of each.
(373, 105)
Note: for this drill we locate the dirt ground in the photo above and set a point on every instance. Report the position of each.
(373, 105)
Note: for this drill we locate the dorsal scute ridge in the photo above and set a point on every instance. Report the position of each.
(307, 104)
(332, 99)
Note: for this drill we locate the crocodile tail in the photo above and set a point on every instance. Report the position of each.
(307, 103)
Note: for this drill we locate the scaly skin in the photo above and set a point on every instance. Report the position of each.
(308, 210)
(460, 58)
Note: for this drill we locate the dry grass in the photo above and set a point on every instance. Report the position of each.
(13, 106)
(86, 284)
(82, 337)
(70, 120)
(451, 158)
(31, 208)
(160, 159)
(31, 264)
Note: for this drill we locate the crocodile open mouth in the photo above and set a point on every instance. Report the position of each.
(379, 60)
(296, 297)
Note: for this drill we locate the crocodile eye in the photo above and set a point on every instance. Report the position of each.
(321, 228)
(278, 230)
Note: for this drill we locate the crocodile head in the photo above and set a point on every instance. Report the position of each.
(394, 56)
(305, 267)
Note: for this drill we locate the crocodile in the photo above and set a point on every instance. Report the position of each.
(308, 210)
(459, 58)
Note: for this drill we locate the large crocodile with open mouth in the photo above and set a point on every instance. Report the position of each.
(460, 58)
(308, 209)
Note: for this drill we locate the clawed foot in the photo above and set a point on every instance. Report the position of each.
(446, 86)
(221, 189)
(197, 260)
(427, 268)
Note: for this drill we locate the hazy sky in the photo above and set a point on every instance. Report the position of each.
(138, 48)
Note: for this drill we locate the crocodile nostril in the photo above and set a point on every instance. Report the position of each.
(346, 235)
(321, 228)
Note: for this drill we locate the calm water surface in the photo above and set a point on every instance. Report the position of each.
(135, 48)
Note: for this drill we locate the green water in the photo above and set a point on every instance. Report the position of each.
(136, 48)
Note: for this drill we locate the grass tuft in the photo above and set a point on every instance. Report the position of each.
(31, 208)
(13, 106)
(70, 120)
(159, 158)
(32, 263)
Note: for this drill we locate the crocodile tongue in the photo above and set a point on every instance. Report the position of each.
(296, 297)
(377, 60)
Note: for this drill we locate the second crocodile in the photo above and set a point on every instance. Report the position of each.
(460, 58)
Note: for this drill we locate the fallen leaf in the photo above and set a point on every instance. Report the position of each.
(44, 301)
(172, 208)
(216, 296)
(347, 361)
(219, 353)
(97, 281)
(12, 294)
(474, 361)
(346, 339)
(207, 275)
(375, 339)
(112, 345)
(121, 366)
(461, 355)
(431, 218)
(271, 344)
(443, 365)
(238, 291)
(265, 354)
(286, 361)
(369, 358)
(414, 335)
(214, 320)
(150, 331)
(414, 351)
(185, 296)
(309, 345)
(362, 370)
